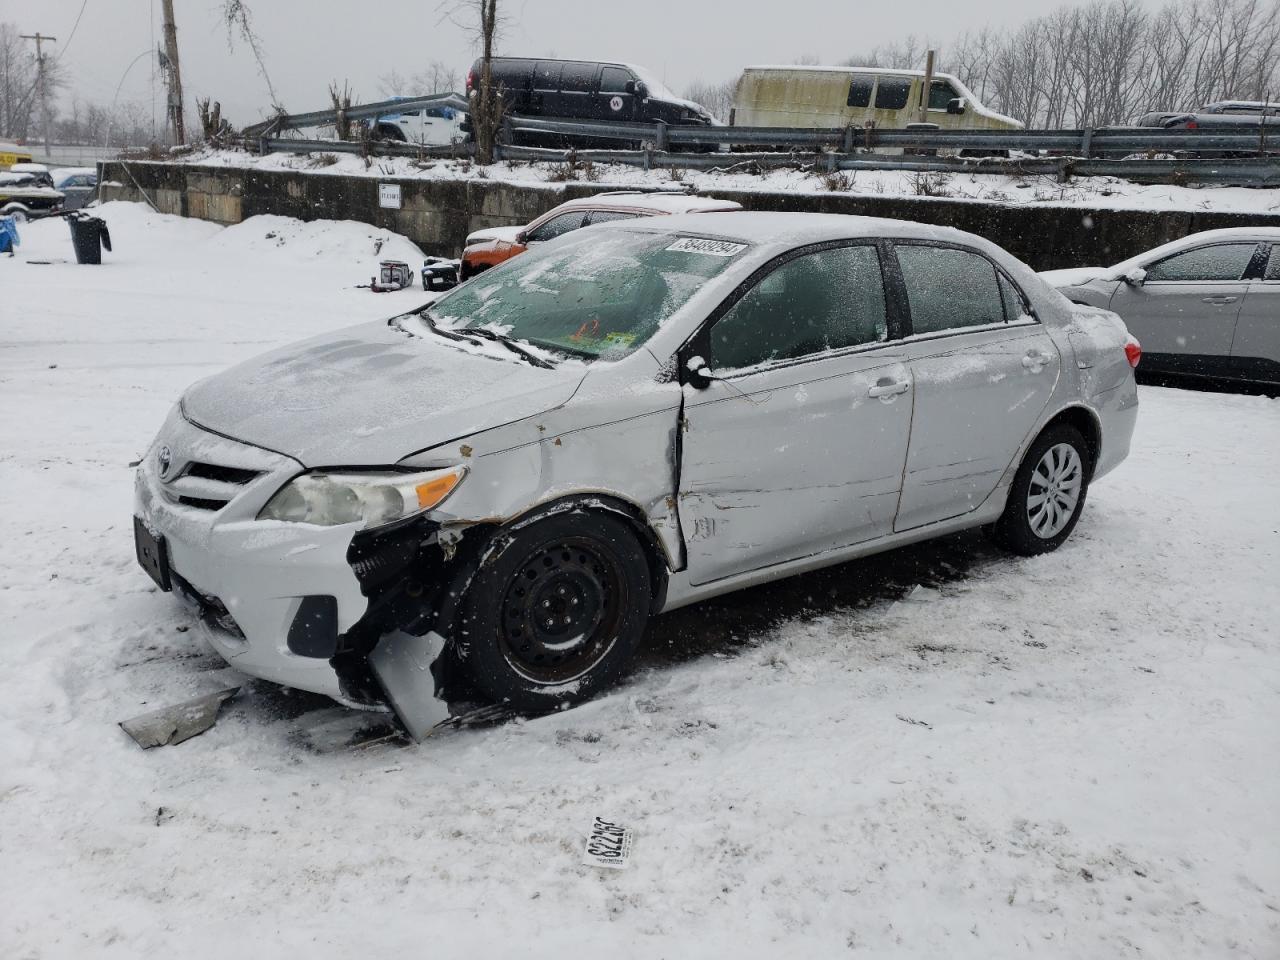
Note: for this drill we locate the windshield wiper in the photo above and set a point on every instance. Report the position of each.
(435, 328)
(486, 334)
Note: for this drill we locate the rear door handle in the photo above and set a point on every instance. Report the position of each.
(1220, 301)
(888, 388)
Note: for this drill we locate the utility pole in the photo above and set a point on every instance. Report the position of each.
(175, 74)
(41, 82)
(926, 88)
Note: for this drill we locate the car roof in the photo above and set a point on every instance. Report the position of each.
(870, 71)
(1224, 235)
(656, 202)
(798, 229)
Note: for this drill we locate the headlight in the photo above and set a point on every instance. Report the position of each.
(370, 499)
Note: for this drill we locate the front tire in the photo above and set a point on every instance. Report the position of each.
(555, 611)
(1047, 494)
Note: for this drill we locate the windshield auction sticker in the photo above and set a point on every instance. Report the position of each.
(608, 845)
(714, 248)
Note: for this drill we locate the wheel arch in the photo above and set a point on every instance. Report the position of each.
(630, 512)
(1083, 419)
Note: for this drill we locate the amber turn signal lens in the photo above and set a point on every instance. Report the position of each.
(434, 491)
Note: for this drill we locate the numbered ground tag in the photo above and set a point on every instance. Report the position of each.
(608, 845)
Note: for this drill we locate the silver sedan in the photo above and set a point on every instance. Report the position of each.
(505, 486)
(1207, 305)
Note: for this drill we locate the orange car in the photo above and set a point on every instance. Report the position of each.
(488, 248)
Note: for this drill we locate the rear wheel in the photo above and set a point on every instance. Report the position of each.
(1047, 494)
(555, 611)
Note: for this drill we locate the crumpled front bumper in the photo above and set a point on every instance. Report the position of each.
(258, 572)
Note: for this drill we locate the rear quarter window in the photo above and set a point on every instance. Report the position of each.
(892, 93)
(860, 91)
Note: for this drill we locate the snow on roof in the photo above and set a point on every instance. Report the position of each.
(793, 229)
(661, 202)
(876, 71)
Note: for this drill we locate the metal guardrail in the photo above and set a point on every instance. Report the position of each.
(320, 118)
(1077, 152)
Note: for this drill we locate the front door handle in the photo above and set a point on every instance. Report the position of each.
(888, 388)
(1219, 301)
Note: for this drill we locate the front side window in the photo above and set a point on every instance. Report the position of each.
(557, 226)
(892, 93)
(941, 93)
(949, 289)
(614, 80)
(1222, 261)
(817, 302)
(860, 91)
(599, 294)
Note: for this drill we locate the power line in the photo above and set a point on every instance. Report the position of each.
(75, 27)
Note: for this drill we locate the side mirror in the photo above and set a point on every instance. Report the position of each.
(956, 105)
(629, 87)
(522, 237)
(697, 374)
(1136, 277)
(641, 90)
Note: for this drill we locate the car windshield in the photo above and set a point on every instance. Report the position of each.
(598, 293)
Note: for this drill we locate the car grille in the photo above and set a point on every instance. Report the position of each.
(209, 486)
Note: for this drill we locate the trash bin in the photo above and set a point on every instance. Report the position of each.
(88, 235)
(8, 235)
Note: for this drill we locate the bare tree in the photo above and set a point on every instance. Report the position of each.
(481, 19)
(238, 19)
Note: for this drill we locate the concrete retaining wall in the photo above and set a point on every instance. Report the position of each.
(438, 214)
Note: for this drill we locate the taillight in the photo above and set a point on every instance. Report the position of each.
(471, 80)
(1192, 125)
(1133, 351)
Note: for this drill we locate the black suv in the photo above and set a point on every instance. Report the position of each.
(583, 90)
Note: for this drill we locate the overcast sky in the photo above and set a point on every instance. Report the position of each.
(308, 43)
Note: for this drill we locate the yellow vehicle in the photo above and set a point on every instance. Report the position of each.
(11, 153)
(802, 96)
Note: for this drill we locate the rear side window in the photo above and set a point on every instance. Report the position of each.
(547, 75)
(860, 91)
(604, 216)
(949, 289)
(614, 80)
(817, 302)
(1222, 261)
(892, 93)
(1273, 265)
(579, 77)
(558, 225)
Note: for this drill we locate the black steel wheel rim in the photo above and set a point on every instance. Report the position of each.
(561, 611)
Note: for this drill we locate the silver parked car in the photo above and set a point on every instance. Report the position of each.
(1207, 305)
(631, 418)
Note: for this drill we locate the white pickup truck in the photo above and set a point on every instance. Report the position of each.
(429, 126)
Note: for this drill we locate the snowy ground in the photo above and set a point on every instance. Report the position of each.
(1098, 192)
(1071, 756)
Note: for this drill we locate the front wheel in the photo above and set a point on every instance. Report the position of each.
(555, 611)
(1047, 494)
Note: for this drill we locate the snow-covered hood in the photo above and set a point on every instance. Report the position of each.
(493, 233)
(1075, 277)
(371, 395)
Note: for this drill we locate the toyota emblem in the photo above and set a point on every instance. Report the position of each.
(164, 460)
